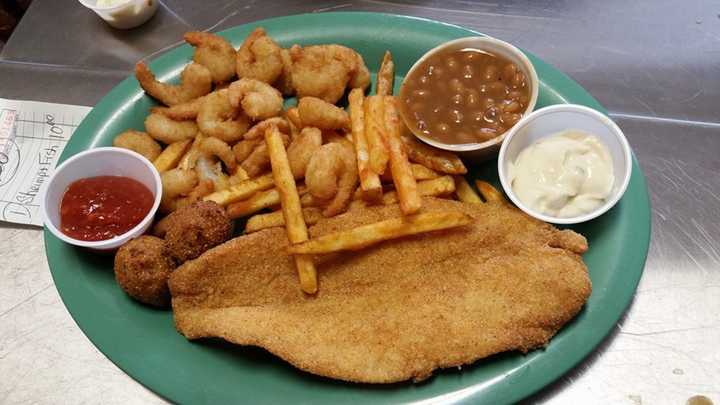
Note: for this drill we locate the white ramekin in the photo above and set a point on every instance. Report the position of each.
(553, 119)
(107, 161)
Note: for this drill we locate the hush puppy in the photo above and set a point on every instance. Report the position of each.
(142, 268)
(192, 230)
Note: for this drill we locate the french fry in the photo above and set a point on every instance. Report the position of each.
(308, 200)
(441, 186)
(374, 129)
(464, 191)
(369, 180)
(188, 160)
(238, 177)
(489, 193)
(257, 131)
(419, 171)
(386, 76)
(171, 155)
(241, 191)
(405, 184)
(436, 159)
(275, 219)
(367, 235)
(259, 201)
(427, 188)
(290, 203)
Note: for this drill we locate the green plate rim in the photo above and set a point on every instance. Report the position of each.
(536, 378)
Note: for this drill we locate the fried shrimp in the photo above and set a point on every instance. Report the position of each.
(139, 142)
(210, 170)
(324, 71)
(195, 81)
(212, 146)
(293, 117)
(258, 130)
(361, 78)
(203, 188)
(332, 175)
(259, 160)
(301, 150)
(178, 182)
(259, 100)
(315, 112)
(183, 111)
(215, 53)
(284, 82)
(259, 57)
(167, 131)
(218, 118)
(244, 148)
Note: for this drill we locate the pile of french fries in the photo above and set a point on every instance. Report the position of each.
(393, 168)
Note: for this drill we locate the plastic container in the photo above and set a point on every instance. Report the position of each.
(479, 152)
(100, 162)
(128, 14)
(551, 120)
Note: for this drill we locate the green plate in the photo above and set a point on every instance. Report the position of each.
(143, 341)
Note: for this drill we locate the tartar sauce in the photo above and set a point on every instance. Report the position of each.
(567, 174)
(109, 3)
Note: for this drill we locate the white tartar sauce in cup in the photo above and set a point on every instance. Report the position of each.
(567, 174)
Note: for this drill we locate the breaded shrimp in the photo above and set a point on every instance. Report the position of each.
(244, 148)
(284, 82)
(176, 183)
(183, 111)
(212, 146)
(259, 100)
(209, 169)
(167, 131)
(218, 118)
(259, 159)
(332, 175)
(324, 71)
(215, 53)
(301, 150)
(259, 57)
(139, 142)
(315, 112)
(258, 130)
(195, 81)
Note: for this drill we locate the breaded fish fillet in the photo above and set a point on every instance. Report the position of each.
(395, 311)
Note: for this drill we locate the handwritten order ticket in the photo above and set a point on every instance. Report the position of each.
(32, 137)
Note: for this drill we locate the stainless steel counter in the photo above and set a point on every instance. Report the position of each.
(655, 64)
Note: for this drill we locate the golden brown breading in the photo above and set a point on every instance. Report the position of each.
(193, 229)
(142, 268)
(395, 311)
(324, 71)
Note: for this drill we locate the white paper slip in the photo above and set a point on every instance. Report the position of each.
(32, 137)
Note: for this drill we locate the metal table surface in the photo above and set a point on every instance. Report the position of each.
(654, 64)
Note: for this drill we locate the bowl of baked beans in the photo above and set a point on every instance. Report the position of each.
(464, 95)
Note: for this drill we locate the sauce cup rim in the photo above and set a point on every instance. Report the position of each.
(116, 240)
(486, 39)
(623, 178)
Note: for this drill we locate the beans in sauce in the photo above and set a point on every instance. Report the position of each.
(464, 96)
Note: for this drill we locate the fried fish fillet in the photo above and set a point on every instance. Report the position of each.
(395, 311)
